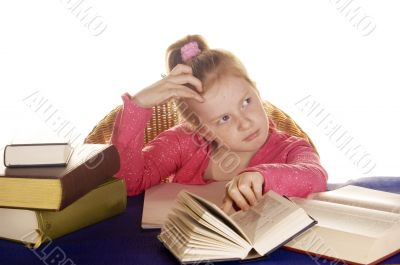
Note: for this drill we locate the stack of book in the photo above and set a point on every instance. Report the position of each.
(49, 190)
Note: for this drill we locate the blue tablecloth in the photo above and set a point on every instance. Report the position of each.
(120, 240)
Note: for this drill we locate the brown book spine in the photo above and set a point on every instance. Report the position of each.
(95, 171)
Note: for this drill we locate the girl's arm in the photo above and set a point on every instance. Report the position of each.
(301, 175)
(141, 167)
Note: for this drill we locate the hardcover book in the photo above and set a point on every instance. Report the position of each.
(54, 188)
(37, 155)
(356, 225)
(35, 227)
(198, 230)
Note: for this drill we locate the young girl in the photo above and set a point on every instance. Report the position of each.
(225, 133)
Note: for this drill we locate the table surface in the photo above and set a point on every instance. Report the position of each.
(120, 240)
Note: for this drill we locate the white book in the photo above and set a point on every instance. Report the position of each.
(37, 154)
(355, 225)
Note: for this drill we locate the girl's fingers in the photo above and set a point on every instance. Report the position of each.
(227, 206)
(181, 69)
(258, 189)
(181, 91)
(187, 78)
(248, 194)
(238, 198)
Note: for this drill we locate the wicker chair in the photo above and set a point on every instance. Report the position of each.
(165, 116)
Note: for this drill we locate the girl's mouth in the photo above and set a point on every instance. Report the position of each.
(251, 136)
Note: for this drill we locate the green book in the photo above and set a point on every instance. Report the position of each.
(35, 227)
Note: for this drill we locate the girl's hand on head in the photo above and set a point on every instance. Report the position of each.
(244, 191)
(171, 86)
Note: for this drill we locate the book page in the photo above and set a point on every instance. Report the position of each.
(348, 233)
(19, 225)
(37, 154)
(197, 225)
(361, 197)
(198, 232)
(351, 219)
(269, 211)
(215, 216)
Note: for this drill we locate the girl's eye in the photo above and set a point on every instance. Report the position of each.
(223, 119)
(226, 118)
(246, 102)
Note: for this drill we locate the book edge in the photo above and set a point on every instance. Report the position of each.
(112, 164)
(37, 165)
(225, 216)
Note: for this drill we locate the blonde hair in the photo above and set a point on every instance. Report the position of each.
(209, 66)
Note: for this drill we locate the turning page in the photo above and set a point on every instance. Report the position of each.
(259, 219)
(272, 221)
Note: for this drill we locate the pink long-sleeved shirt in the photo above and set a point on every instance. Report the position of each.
(289, 164)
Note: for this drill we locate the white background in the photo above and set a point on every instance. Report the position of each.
(292, 49)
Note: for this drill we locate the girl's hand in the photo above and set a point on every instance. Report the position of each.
(243, 190)
(172, 86)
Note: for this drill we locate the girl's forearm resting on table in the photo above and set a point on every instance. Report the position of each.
(301, 175)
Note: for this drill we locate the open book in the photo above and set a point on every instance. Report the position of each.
(198, 230)
(355, 224)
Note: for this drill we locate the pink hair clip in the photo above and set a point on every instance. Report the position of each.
(189, 50)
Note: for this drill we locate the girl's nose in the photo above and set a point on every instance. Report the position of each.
(244, 123)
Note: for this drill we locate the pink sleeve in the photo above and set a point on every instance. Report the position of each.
(141, 167)
(301, 175)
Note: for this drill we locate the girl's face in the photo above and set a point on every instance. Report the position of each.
(233, 115)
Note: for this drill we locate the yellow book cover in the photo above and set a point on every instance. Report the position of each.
(35, 227)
